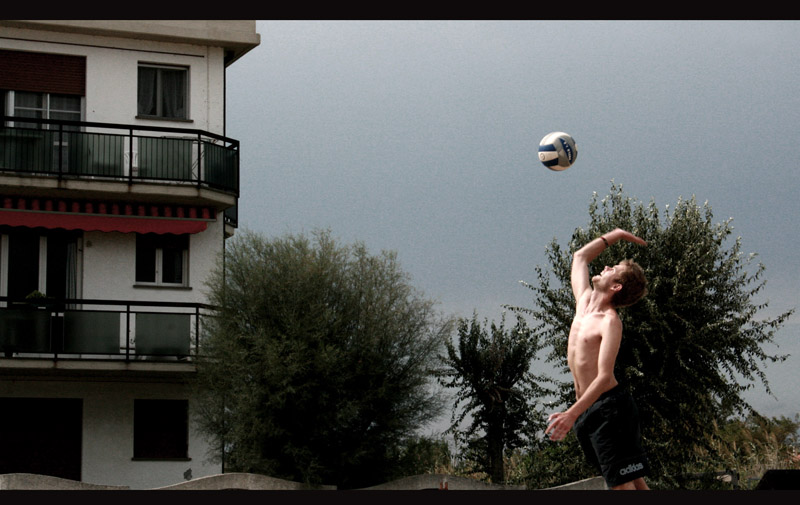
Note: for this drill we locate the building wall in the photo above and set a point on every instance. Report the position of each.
(237, 34)
(111, 97)
(113, 256)
(112, 53)
(111, 74)
(108, 432)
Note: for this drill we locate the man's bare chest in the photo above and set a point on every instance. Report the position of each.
(586, 333)
(588, 326)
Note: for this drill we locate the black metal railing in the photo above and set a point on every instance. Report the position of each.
(100, 329)
(133, 153)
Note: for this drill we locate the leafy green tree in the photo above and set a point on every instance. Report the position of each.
(687, 346)
(490, 370)
(318, 365)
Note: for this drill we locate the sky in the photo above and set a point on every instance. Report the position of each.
(421, 137)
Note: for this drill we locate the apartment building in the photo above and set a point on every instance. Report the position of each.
(118, 189)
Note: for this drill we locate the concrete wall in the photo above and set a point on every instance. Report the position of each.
(107, 446)
(113, 256)
(440, 481)
(249, 481)
(33, 482)
(590, 484)
(236, 35)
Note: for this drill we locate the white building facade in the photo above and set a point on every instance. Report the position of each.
(118, 189)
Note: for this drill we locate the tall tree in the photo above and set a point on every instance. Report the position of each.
(318, 365)
(490, 370)
(687, 346)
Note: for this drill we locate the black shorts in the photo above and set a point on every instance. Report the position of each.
(608, 432)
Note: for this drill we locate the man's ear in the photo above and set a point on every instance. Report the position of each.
(616, 286)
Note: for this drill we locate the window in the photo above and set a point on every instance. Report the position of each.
(45, 106)
(162, 259)
(38, 260)
(163, 92)
(44, 436)
(160, 429)
(29, 104)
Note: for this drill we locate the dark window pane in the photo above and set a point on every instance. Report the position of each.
(28, 105)
(42, 436)
(145, 258)
(172, 265)
(163, 92)
(65, 103)
(147, 91)
(28, 100)
(160, 429)
(23, 263)
(173, 93)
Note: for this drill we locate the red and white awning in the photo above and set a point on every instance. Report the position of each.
(104, 216)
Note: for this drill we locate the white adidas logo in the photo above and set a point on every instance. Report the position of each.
(631, 468)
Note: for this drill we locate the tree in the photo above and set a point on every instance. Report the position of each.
(318, 365)
(490, 370)
(425, 455)
(688, 344)
(546, 463)
(749, 447)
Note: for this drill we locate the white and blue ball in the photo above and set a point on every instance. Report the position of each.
(558, 151)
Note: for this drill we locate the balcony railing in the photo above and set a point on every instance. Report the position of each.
(132, 153)
(100, 329)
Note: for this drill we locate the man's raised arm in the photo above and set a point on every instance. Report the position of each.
(590, 251)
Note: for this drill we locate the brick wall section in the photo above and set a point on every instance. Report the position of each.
(42, 72)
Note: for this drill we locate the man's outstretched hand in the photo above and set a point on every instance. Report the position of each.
(619, 234)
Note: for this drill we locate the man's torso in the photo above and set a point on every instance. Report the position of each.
(583, 347)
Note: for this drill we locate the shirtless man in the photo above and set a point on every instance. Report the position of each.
(604, 415)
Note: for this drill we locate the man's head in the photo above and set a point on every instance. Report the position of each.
(626, 280)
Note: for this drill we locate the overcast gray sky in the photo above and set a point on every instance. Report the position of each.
(421, 137)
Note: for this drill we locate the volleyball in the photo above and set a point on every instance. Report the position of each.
(558, 151)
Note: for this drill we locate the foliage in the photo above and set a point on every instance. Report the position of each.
(688, 344)
(748, 447)
(548, 464)
(318, 366)
(490, 371)
(424, 455)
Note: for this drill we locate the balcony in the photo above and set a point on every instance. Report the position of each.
(110, 331)
(133, 162)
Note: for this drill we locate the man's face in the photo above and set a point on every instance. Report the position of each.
(608, 277)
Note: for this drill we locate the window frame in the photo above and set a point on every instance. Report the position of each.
(46, 109)
(158, 243)
(160, 114)
(41, 260)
